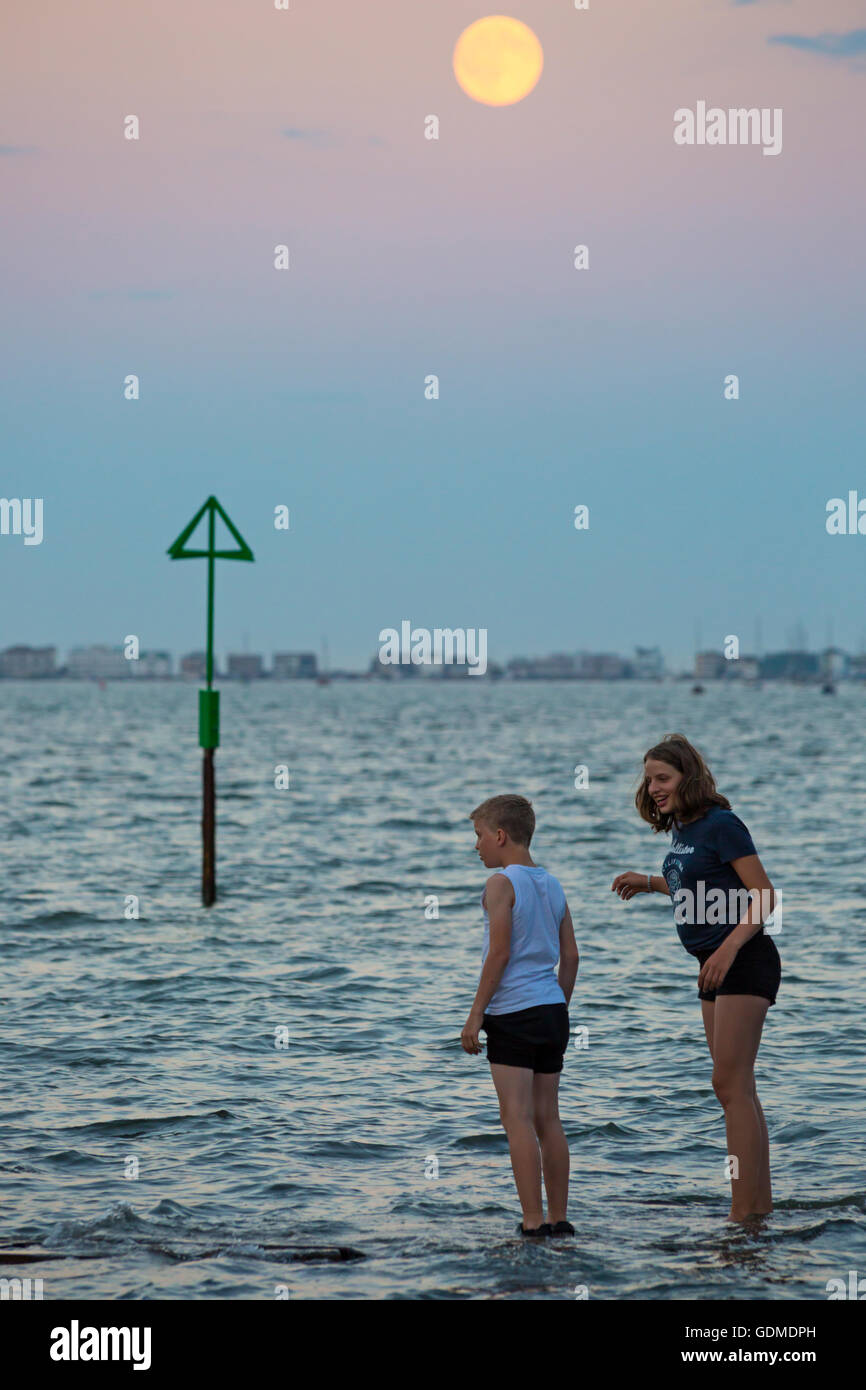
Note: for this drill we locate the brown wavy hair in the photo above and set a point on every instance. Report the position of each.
(695, 793)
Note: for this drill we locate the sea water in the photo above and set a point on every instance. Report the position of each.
(188, 1088)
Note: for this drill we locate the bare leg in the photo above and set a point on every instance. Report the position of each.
(738, 1020)
(514, 1089)
(554, 1145)
(708, 1009)
(765, 1195)
(765, 1191)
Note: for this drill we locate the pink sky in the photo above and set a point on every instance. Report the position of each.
(589, 154)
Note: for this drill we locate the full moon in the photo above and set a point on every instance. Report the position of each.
(498, 60)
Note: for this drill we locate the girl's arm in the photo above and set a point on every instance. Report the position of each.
(630, 883)
(762, 898)
(751, 872)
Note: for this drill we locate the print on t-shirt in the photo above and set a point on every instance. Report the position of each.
(708, 896)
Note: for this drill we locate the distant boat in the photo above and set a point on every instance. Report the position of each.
(828, 688)
(697, 690)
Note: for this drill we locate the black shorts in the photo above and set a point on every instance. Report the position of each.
(535, 1038)
(757, 969)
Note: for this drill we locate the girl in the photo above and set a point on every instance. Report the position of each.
(709, 873)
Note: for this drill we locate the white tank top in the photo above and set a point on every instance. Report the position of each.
(539, 905)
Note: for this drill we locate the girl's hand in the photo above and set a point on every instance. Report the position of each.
(716, 966)
(471, 1028)
(629, 884)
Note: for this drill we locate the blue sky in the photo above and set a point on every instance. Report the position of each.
(411, 257)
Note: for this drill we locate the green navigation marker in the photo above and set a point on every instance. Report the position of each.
(208, 700)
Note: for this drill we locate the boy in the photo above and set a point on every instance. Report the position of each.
(522, 1008)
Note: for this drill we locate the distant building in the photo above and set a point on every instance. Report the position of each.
(745, 668)
(193, 666)
(290, 666)
(710, 666)
(28, 663)
(568, 666)
(451, 671)
(648, 663)
(522, 668)
(559, 666)
(98, 663)
(152, 665)
(791, 666)
(857, 668)
(393, 670)
(834, 663)
(245, 666)
(601, 666)
(519, 668)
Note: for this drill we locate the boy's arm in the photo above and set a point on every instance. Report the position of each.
(569, 957)
(499, 900)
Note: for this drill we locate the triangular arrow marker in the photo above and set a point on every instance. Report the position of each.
(177, 551)
(208, 700)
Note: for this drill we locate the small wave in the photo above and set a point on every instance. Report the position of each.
(63, 918)
(611, 1127)
(166, 1207)
(812, 748)
(369, 884)
(319, 972)
(806, 1234)
(350, 1148)
(855, 1199)
(789, 1133)
(120, 1220)
(133, 1124)
(490, 1142)
(680, 1199)
(401, 823)
(69, 1158)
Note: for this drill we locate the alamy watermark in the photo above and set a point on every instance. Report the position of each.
(77, 1343)
(21, 1289)
(855, 1289)
(846, 520)
(737, 126)
(719, 908)
(22, 516)
(441, 646)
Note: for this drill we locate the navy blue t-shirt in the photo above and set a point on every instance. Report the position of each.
(709, 898)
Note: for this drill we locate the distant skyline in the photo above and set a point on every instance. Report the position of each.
(413, 257)
(266, 655)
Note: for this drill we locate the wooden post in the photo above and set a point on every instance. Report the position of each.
(208, 830)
